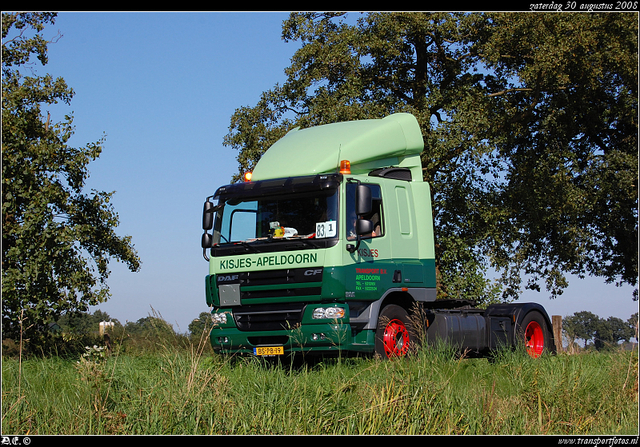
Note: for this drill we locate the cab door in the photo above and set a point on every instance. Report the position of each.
(369, 268)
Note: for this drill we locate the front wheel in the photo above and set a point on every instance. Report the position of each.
(535, 334)
(394, 334)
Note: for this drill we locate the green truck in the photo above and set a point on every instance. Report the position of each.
(329, 247)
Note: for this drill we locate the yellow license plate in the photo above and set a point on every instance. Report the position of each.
(269, 350)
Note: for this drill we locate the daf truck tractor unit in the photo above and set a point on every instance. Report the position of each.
(329, 247)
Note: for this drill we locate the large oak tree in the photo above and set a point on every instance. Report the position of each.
(530, 130)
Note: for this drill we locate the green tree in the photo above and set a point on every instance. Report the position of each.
(600, 332)
(564, 118)
(150, 327)
(201, 324)
(57, 239)
(529, 123)
(581, 325)
(612, 331)
(84, 322)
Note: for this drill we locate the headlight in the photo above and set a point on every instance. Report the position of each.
(331, 313)
(219, 318)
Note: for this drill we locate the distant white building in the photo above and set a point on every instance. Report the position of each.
(104, 325)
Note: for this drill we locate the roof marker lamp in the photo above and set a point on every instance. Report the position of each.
(247, 176)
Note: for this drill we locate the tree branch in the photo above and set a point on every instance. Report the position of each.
(509, 90)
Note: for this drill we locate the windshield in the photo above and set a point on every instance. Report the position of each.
(310, 216)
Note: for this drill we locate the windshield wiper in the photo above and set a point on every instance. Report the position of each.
(247, 245)
(305, 241)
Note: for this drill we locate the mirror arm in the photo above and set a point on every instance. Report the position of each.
(352, 248)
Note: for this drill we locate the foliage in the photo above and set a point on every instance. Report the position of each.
(57, 239)
(435, 392)
(569, 87)
(84, 322)
(601, 332)
(91, 369)
(200, 326)
(151, 325)
(75, 331)
(93, 354)
(174, 388)
(530, 130)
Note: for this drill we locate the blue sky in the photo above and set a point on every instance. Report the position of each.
(163, 87)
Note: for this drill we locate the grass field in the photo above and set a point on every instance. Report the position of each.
(178, 391)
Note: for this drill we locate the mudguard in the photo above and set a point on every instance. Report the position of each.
(516, 312)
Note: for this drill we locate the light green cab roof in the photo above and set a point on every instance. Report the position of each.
(367, 144)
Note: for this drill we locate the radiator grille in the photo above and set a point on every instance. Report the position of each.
(272, 317)
(285, 284)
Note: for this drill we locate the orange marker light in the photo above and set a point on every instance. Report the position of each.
(247, 176)
(345, 167)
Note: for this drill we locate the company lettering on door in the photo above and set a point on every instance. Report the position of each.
(367, 279)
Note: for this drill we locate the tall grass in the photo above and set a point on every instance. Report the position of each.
(190, 391)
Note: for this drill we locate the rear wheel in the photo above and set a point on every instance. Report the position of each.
(394, 334)
(535, 334)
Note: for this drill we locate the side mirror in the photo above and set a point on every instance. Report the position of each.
(363, 226)
(364, 205)
(207, 215)
(363, 200)
(207, 241)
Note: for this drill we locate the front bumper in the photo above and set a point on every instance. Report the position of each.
(331, 337)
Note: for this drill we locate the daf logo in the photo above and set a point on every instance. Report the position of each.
(312, 272)
(228, 278)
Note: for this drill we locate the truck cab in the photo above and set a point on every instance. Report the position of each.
(328, 247)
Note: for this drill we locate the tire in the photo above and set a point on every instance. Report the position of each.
(534, 334)
(394, 334)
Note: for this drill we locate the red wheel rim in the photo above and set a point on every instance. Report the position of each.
(396, 339)
(534, 339)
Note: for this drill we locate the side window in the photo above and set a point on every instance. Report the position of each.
(376, 216)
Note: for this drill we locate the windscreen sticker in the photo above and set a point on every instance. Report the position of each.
(326, 229)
